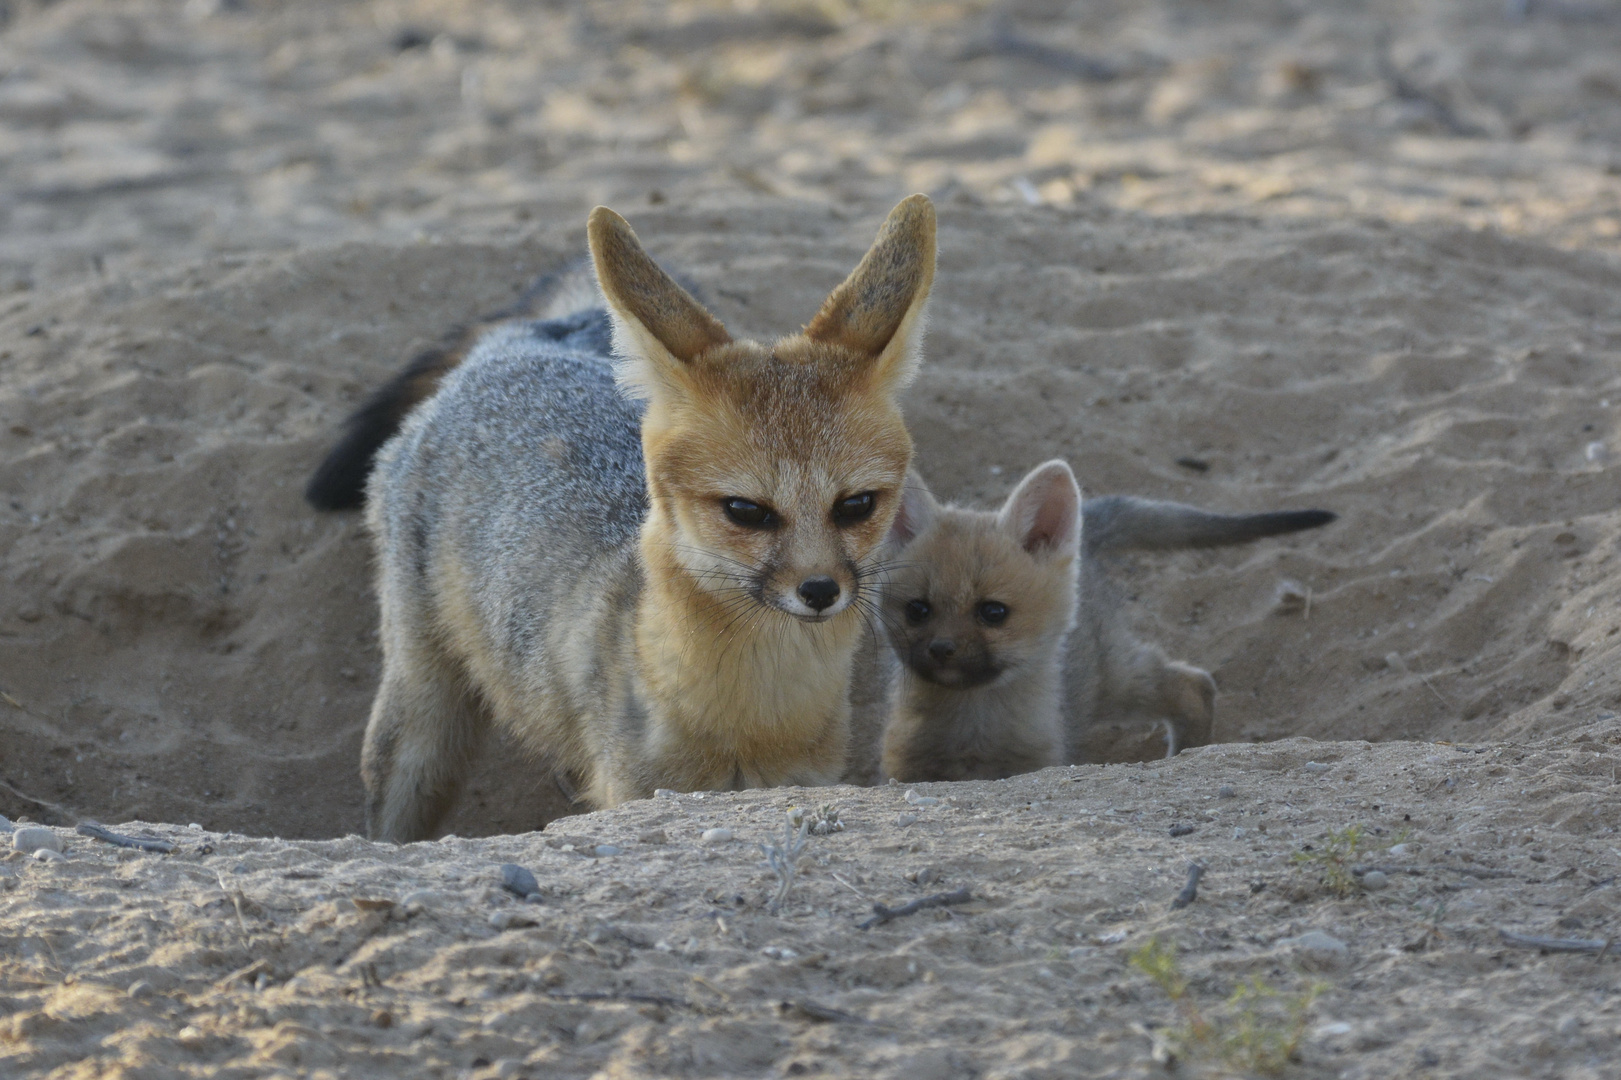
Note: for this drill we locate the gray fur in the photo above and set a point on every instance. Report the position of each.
(529, 460)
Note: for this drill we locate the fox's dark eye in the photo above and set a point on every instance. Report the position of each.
(992, 613)
(750, 515)
(917, 610)
(855, 508)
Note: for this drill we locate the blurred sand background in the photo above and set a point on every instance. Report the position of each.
(1246, 254)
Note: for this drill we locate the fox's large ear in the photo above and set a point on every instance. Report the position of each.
(658, 326)
(1044, 511)
(878, 311)
(916, 511)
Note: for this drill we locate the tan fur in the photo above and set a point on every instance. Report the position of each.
(687, 656)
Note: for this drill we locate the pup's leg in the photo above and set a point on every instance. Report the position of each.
(424, 729)
(1188, 703)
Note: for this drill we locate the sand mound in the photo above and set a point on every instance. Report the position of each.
(188, 642)
(653, 953)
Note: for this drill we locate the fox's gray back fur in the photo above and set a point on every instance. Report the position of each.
(510, 503)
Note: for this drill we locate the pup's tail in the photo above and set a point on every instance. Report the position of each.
(340, 481)
(1120, 522)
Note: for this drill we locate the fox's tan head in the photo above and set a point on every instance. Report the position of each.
(774, 470)
(979, 594)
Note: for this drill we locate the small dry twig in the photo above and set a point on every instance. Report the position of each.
(107, 836)
(783, 858)
(1554, 944)
(882, 914)
(1190, 891)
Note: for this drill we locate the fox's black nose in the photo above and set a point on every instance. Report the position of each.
(942, 648)
(819, 592)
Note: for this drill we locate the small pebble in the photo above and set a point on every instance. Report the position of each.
(510, 919)
(607, 850)
(666, 793)
(1596, 451)
(419, 899)
(1401, 850)
(518, 881)
(1316, 767)
(45, 854)
(1226, 791)
(1374, 880)
(921, 800)
(1318, 949)
(1239, 832)
(716, 836)
(194, 827)
(1182, 830)
(906, 819)
(32, 838)
(140, 988)
(1327, 1031)
(780, 952)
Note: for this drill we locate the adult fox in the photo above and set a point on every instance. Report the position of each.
(681, 612)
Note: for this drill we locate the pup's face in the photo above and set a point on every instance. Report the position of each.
(969, 603)
(779, 476)
(976, 595)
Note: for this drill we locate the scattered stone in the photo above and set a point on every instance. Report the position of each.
(32, 838)
(1239, 832)
(46, 854)
(194, 827)
(418, 900)
(1290, 598)
(605, 851)
(366, 903)
(518, 881)
(1374, 880)
(1182, 830)
(1400, 851)
(921, 800)
(1318, 949)
(653, 836)
(1329, 1030)
(906, 819)
(1316, 767)
(666, 793)
(512, 919)
(140, 988)
(716, 836)
(1226, 791)
(780, 952)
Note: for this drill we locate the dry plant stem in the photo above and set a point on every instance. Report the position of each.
(1190, 891)
(882, 914)
(1553, 944)
(57, 807)
(107, 836)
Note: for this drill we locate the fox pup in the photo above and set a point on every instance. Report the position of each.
(658, 583)
(1002, 672)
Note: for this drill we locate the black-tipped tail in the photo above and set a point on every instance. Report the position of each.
(340, 481)
(1117, 522)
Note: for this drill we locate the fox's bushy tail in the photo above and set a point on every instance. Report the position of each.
(1123, 522)
(340, 481)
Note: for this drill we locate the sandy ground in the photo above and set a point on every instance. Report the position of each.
(1360, 256)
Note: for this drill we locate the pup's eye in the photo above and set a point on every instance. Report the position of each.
(855, 508)
(992, 613)
(917, 610)
(750, 515)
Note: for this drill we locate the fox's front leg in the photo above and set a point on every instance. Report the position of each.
(423, 731)
(1188, 703)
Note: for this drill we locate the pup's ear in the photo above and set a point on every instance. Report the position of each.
(878, 311)
(658, 327)
(916, 511)
(1044, 511)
